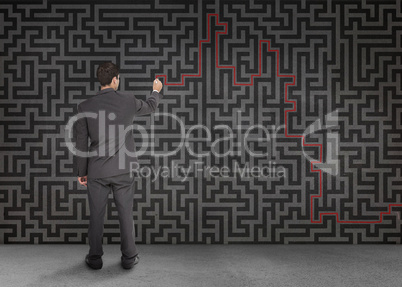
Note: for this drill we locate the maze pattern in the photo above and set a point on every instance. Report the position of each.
(315, 58)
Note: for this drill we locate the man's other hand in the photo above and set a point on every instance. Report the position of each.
(158, 85)
(83, 180)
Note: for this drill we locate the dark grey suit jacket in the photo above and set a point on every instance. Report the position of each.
(108, 126)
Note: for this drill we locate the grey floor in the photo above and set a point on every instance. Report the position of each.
(206, 265)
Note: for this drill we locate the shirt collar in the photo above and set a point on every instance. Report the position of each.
(104, 91)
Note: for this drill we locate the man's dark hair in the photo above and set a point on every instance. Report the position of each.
(106, 72)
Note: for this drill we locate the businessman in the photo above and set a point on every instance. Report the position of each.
(104, 133)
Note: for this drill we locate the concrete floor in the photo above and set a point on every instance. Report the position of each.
(205, 265)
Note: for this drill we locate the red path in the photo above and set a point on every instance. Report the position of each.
(293, 77)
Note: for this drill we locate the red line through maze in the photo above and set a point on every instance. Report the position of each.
(293, 77)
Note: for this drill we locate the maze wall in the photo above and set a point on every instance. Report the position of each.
(319, 81)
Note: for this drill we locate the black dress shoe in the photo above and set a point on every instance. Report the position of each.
(128, 263)
(94, 263)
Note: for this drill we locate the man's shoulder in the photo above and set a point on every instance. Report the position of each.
(87, 102)
(105, 98)
(124, 94)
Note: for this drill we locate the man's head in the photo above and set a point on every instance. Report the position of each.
(108, 75)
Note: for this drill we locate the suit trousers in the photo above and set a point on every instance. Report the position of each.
(122, 187)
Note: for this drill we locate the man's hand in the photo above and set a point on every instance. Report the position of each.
(83, 180)
(158, 85)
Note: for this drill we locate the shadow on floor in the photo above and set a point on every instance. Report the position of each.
(80, 274)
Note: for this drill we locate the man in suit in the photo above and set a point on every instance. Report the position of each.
(106, 120)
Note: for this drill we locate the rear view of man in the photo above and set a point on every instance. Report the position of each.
(106, 120)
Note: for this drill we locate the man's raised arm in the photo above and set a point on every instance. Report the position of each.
(151, 103)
